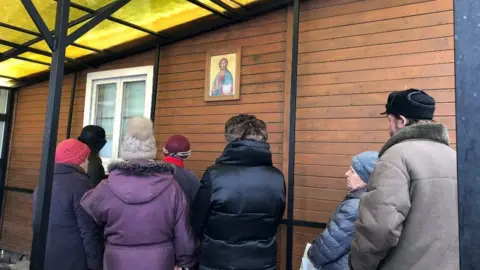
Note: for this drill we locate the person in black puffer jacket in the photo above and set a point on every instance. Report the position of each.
(240, 202)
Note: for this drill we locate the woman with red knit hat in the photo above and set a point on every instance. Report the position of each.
(74, 240)
(176, 151)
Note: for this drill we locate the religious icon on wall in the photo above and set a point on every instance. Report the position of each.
(222, 75)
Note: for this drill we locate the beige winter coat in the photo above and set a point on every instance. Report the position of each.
(408, 220)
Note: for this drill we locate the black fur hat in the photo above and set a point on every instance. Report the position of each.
(411, 103)
(94, 137)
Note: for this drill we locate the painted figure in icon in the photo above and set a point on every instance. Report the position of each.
(223, 83)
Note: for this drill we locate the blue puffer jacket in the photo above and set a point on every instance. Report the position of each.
(330, 250)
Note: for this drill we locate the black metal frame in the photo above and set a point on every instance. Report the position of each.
(122, 22)
(155, 83)
(166, 37)
(98, 17)
(467, 106)
(37, 19)
(8, 117)
(291, 139)
(214, 11)
(60, 43)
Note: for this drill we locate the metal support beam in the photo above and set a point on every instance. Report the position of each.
(122, 22)
(5, 147)
(19, 29)
(41, 26)
(155, 83)
(42, 212)
(206, 7)
(225, 6)
(98, 17)
(291, 139)
(32, 61)
(24, 48)
(237, 3)
(38, 35)
(467, 106)
(72, 102)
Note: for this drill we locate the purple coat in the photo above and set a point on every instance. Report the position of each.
(145, 214)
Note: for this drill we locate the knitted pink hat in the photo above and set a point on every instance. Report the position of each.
(71, 152)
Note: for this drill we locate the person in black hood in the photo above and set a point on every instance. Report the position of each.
(94, 137)
(240, 202)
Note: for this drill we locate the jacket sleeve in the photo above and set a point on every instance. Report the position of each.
(381, 215)
(201, 205)
(336, 240)
(91, 233)
(184, 239)
(91, 202)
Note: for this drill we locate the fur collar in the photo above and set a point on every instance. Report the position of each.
(145, 168)
(431, 132)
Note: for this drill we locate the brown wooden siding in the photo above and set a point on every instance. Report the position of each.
(352, 54)
(181, 108)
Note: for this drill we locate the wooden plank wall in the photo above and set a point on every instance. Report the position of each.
(351, 55)
(24, 160)
(181, 108)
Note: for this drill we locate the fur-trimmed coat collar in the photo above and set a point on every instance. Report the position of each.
(430, 131)
(141, 168)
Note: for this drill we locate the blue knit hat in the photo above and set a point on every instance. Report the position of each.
(364, 164)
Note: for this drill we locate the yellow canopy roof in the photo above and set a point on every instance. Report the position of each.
(136, 20)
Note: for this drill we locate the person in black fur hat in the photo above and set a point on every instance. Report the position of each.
(94, 137)
(413, 187)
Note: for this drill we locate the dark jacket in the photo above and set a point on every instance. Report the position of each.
(187, 181)
(238, 208)
(185, 178)
(75, 241)
(330, 250)
(145, 215)
(96, 172)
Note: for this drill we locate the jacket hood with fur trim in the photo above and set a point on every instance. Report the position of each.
(430, 131)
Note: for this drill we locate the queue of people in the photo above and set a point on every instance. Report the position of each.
(400, 212)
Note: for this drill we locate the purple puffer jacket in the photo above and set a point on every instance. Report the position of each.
(145, 215)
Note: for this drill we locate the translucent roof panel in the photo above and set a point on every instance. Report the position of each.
(37, 57)
(12, 35)
(18, 68)
(72, 52)
(152, 15)
(156, 15)
(18, 16)
(4, 48)
(108, 34)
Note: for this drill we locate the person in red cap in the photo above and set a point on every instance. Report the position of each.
(74, 240)
(176, 150)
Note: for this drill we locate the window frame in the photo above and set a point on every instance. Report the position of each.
(118, 76)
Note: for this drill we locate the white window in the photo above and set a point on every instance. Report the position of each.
(114, 96)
